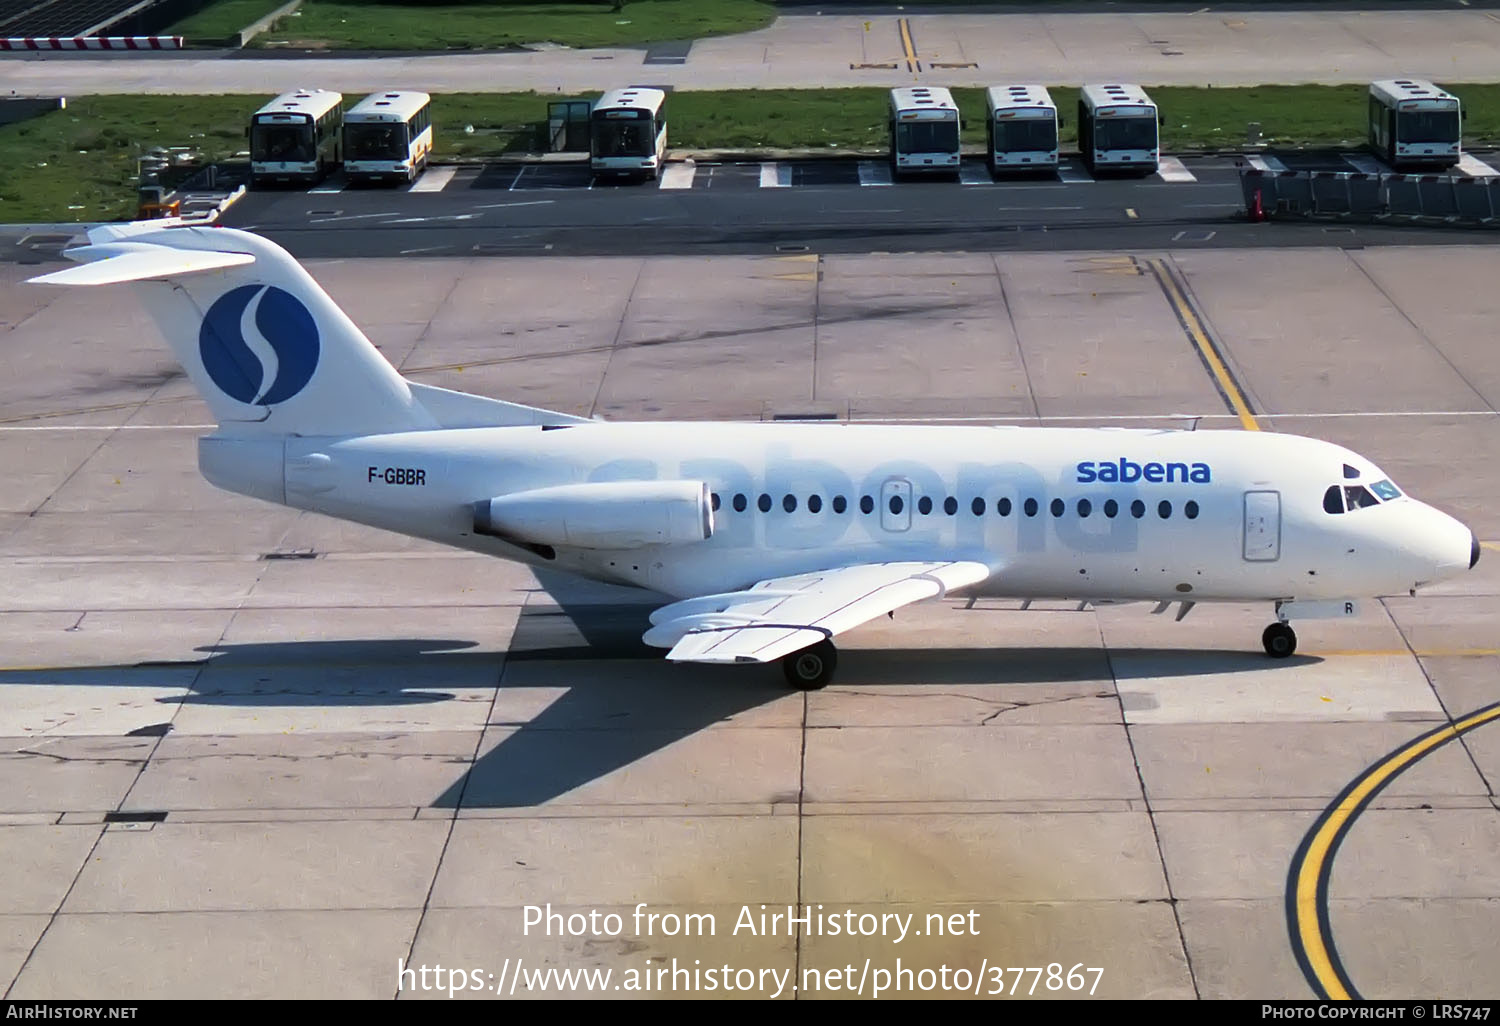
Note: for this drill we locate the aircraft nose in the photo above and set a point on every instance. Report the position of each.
(1473, 549)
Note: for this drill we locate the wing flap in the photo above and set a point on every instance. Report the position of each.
(777, 617)
(752, 644)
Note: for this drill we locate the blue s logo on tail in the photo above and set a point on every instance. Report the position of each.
(259, 344)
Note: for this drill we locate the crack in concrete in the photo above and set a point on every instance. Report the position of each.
(71, 758)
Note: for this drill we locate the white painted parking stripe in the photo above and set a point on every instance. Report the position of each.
(1475, 168)
(1267, 163)
(1365, 165)
(975, 174)
(678, 176)
(1171, 169)
(874, 172)
(775, 176)
(1067, 171)
(435, 179)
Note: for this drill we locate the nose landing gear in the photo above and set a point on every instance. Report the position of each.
(1279, 640)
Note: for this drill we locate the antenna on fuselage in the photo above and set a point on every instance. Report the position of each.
(1193, 418)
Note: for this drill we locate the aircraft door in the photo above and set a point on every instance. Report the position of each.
(895, 504)
(1263, 526)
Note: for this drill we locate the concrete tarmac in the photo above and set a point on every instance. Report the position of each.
(1191, 48)
(252, 752)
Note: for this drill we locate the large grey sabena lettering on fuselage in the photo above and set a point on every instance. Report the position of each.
(989, 482)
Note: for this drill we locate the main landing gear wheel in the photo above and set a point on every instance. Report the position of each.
(811, 668)
(1280, 640)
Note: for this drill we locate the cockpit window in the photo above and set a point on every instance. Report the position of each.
(1350, 473)
(1358, 497)
(1385, 490)
(1333, 500)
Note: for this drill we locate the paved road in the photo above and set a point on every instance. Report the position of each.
(1222, 48)
(796, 206)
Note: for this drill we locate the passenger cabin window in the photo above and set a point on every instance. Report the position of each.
(838, 504)
(1358, 496)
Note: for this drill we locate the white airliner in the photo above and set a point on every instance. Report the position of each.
(768, 539)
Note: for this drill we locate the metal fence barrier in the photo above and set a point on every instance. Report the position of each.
(1451, 199)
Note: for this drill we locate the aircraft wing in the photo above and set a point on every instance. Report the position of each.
(786, 614)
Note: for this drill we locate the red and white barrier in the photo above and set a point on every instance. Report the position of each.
(93, 43)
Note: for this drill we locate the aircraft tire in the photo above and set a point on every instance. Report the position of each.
(1279, 640)
(812, 667)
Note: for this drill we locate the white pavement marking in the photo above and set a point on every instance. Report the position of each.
(351, 217)
(515, 203)
(975, 174)
(874, 172)
(1475, 168)
(1170, 169)
(678, 176)
(1260, 163)
(1068, 171)
(434, 179)
(775, 176)
(1364, 164)
(331, 185)
(435, 217)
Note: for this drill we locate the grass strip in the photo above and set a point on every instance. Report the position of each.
(222, 19)
(346, 25)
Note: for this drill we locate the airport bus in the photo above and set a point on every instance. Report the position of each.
(1414, 124)
(296, 137)
(1021, 130)
(1117, 129)
(388, 136)
(924, 130)
(628, 132)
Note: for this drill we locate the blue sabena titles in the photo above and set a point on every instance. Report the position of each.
(249, 323)
(1125, 471)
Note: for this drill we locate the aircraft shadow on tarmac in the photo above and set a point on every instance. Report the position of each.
(617, 701)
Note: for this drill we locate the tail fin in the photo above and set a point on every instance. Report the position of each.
(264, 344)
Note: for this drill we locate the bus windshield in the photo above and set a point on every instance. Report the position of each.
(1026, 134)
(927, 136)
(623, 138)
(1137, 133)
(1435, 126)
(375, 141)
(283, 143)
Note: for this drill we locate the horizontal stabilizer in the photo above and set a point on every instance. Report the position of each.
(114, 262)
